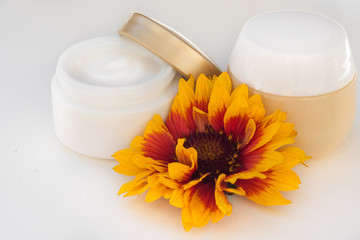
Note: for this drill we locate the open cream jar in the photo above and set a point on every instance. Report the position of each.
(302, 64)
(105, 90)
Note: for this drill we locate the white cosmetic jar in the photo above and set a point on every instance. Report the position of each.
(104, 92)
(302, 64)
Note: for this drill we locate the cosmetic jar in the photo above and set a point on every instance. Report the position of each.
(302, 64)
(105, 90)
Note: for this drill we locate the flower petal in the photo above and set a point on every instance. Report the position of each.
(262, 192)
(256, 108)
(156, 189)
(292, 157)
(201, 119)
(219, 102)
(222, 186)
(262, 137)
(223, 81)
(235, 118)
(268, 198)
(261, 161)
(244, 175)
(220, 183)
(273, 145)
(187, 156)
(170, 183)
(284, 136)
(158, 142)
(140, 188)
(240, 91)
(177, 198)
(203, 205)
(149, 163)
(278, 178)
(220, 197)
(132, 186)
(126, 166)
(168, 193)
(191, 81)
(203, 92)
(284, 180)
(239, 191)
(186, 90)
(186, 214)
(139, 180)
(137, 144)
(179, 172)
(156, 192)
(194, 182)
(249, 133)
(180, 122)
(277, 116)
(216, 215)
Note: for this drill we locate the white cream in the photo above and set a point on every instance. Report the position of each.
(104, 92)
(104, 65)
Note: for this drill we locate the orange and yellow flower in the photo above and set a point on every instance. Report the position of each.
(214, 142)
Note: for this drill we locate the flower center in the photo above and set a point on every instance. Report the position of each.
(217, 153)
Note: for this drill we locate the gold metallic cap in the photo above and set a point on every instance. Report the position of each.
(169, 45)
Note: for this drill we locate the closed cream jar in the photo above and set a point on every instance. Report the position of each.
(106, 89)
(302, 64)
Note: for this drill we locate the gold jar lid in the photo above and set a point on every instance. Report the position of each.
(169, 45)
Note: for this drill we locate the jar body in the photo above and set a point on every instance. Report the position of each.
(99, 117)
(100, 133)
(323, 122)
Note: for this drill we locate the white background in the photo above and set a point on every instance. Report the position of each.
(49, 192)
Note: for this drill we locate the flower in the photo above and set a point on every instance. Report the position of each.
(215, 142)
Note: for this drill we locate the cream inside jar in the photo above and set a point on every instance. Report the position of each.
(104, 92)
(113, 65)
